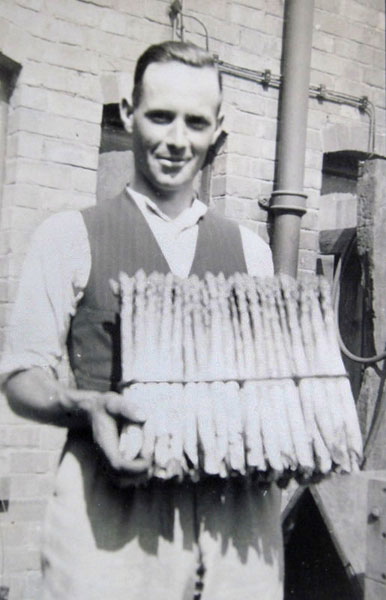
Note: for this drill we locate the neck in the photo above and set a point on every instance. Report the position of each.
(171, 202)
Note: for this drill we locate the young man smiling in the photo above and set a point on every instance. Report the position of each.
(104, 537)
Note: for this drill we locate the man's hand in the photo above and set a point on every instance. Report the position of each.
(105, 413)
(36, 394)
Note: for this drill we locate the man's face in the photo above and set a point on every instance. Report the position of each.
(174, 124)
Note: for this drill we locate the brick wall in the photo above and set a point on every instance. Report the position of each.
(72, 55)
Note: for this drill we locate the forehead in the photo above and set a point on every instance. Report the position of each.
(176, 86)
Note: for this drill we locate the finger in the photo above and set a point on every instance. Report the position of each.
(114, 286)
(126, 407)
(136, 466)
(105, 433)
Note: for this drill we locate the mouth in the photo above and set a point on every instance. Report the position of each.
(172, 162)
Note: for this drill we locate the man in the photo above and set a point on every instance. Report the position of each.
(105, 538)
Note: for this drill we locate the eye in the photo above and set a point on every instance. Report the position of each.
(196, 122)
(161, 117)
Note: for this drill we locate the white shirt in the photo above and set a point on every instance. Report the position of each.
(57, 268)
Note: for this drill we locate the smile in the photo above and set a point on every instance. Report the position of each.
(171, 162)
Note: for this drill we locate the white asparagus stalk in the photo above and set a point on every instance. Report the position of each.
(331, 392)
(190, 368)
(235, 427)
(229, 350)
(177, 361)
(149, 427)
(325, 363)
(176, 462)
(161, 448)
(300, 437)
(322, 410)
(288, 454)
(322, 455)
(217, 391)
(353, 432)
(252, 428)
(240, 363)
(139, 368)
(271, 443)
(245, 327)
(205, 426)
(127, 333)
(354, 438)
(189, 430)
(216, 366)
(164, 358)
(201, 344)
(152, 323)
(257, 327)
(131, 436)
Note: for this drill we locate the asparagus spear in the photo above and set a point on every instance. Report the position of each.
(249, 359)
(253, 437)
(236, 454)
(161, 447)
(228, 350)
(201, 343)
(166, 331)
(177, 334)
(131, 437)
(322, 410)
(190, 367)
(217, 391)
(216, 366)
(127, 333)
(189, 431)
(139, 368)
(354, 438)
(205, 427)
(175, 465)
(239, 354)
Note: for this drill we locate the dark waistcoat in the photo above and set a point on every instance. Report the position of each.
(121, 240)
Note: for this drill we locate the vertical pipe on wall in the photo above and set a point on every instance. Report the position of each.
(288, 200)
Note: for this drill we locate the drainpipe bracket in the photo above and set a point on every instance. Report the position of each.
(289, 200)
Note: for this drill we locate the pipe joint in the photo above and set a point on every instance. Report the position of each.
(289, 200)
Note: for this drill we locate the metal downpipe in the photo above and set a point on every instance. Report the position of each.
(288, 201)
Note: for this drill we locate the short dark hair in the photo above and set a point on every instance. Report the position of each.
(183, 52)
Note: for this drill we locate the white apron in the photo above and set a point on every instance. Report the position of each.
(158, 543)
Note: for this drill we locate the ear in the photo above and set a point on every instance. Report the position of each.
(126, 113)
(219, 128)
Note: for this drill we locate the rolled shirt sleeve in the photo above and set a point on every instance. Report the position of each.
(53, 278)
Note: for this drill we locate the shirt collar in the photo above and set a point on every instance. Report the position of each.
(187, 218)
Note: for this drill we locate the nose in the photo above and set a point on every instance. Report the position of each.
(177, 136)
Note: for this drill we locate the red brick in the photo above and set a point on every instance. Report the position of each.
(29, 462)
(307, 260)
(248, 17)
(23, 436)
(69, 153)
(16, 561)
(32, 4)
(114, 22)
(83, 13)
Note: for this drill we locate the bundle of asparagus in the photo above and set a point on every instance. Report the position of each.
(240, 376)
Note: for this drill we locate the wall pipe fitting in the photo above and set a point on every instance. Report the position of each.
(288, 201)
